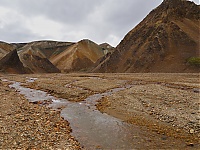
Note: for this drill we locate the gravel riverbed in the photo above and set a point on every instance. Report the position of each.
(24, 125)
(167, 105)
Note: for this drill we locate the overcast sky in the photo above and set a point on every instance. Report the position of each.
(71, 20)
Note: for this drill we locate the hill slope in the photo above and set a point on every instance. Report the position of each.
(162, 42)
(78, 57)
(32, 55)
(12, 64)
(5, 48)
(36, 61)
(48, 48)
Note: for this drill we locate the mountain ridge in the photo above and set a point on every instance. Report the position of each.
(161, 42)
(164, 41)
(11, 63)
(77, 57)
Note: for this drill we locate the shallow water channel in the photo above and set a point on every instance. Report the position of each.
(95, 130)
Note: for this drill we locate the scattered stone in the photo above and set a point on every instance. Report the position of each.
(164, 138)
(25, 125)
(192, 131)
(190, 144)
(196, 90)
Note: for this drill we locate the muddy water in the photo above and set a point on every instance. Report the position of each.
(95, 130)
(31, 94)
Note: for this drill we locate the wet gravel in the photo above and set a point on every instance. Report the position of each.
(167, 104)
(24, 125)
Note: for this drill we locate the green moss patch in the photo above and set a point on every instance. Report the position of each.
(194, 61)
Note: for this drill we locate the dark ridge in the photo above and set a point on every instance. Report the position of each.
(12, 64)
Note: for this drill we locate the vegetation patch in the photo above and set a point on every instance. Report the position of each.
(194, 61)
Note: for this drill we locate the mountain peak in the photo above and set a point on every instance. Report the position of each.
(174, 2)
(162, 42)
(177, 3)
(12, 64)
(178, 9)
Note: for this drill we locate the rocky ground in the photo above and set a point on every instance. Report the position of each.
(28, 126)
(167, 104)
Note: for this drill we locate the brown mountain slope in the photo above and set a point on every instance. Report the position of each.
(48, 48)
(36, 61)
(5, 48)
(107, 48)
(162, 42)
(12, 64)
(78, 57)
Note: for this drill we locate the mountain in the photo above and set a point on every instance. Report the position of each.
(107, 48)
(164, 41)
(33, 55)
(68, 56)
(11, 63)
(78, 57)
(36, 61)
(48, 48)
(5, 48)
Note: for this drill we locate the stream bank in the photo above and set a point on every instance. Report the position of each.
(96, 130)
(152, 99)
(24, 125)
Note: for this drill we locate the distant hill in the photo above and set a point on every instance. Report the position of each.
(5, 48)
(46, 56)
(107, 48)
(48, 48)
(36, 61)
(164, 41)
(11, 63)
(78, 57)
(34, 55)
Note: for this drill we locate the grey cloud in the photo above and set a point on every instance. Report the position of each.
(130, 12)
(17, 33)
(116, 17)
(98, 20)
(66, 11)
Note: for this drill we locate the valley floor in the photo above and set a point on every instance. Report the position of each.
(164, 104)
(24, 125)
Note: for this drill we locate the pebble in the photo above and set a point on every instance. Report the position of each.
(190, 144)
(28, 126)
(192, 131)
(196, 90)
